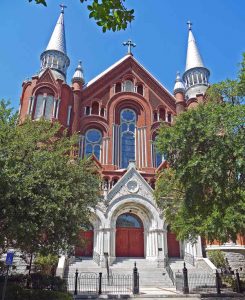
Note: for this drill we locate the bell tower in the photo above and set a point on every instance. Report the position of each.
(196, 75)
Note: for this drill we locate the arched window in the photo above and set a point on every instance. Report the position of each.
(39, 107)
(127, 121)
(93, 138)
(140, 89)
(128, 86)
(162, 114)
(102, 112)
(118, 87)
(95, 108)
(129, 220)
(49, 107)
(44, 107)
(155, 116)
(87, 111)
(157, 157)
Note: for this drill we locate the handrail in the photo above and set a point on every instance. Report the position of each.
(170, 274)
(189, 258)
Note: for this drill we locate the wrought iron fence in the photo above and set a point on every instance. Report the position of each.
(202, 283)
(117, 284)
(93, 283)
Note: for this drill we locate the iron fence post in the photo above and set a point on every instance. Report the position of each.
(135, 280)
(218, 283)
(100, 283)
(76, 276)
(185, 277)
(238, 283)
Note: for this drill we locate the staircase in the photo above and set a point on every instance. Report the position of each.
(149, 273)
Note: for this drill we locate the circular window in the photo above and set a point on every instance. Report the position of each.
(132, 186)
(128, 115)
(93, 136)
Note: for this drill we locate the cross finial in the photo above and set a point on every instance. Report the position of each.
(130, 44)
(189, 24)
(62, 8)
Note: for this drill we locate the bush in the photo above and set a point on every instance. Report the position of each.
(217, 257)
(16, 292)
(46, 264)
(37, 281)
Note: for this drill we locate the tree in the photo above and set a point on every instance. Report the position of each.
(45, 193)
(202, 192)
(109, 14)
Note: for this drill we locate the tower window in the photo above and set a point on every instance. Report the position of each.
(44, 107)
(140, 89)
(95, 108)
(118, 87)
(93, 138)
(128, 86)
(128, 121)
(87, 111)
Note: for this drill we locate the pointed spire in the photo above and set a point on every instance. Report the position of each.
(179, 85)
(193, 58)
(78, 75)
(58, 39)
(55, 57)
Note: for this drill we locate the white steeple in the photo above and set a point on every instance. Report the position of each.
(78, 75)
(179, 85)
(58, 39)
(55, 57)
(196, 74)
(193, 57)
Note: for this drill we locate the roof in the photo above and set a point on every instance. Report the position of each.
(120, 61)
(193, 58)
(58, 40)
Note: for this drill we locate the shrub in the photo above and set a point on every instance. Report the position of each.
(46, 264)
(217, 257)
(16, 292)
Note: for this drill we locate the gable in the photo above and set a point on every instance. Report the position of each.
(47, 77)
(131, 183)
(125, 66)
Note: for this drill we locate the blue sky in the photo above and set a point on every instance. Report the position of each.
(159, 30)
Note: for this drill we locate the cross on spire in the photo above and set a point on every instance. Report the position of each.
(63, 8)
(189, 24)
(130, 44)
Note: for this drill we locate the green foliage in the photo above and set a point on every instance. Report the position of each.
(45, 193)
(109, 14)
(46, 264)
(17, 292)
(217, 257)
(203, 192)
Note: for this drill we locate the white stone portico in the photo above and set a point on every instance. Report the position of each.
(131, 194)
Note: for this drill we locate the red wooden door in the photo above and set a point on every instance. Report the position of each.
(129, 242)
(86, 249)
(173, 245)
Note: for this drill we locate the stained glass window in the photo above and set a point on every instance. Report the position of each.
(129, 220)
(93, 138)
(128, 121)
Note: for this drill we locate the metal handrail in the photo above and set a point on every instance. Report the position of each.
(189, 258)
(170, 273)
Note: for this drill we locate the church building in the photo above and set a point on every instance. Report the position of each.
(116, 115)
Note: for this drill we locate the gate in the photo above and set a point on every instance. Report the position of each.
(93, 283)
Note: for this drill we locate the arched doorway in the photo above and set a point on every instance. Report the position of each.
(86, 242)
(129, 236)
(173, 244)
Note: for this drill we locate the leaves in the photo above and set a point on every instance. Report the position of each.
(44, 191)
(203, 191)
(108, 14)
